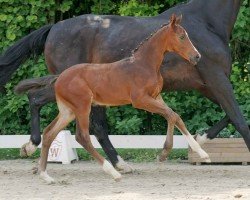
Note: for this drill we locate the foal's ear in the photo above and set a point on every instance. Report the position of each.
(178, 19)
(172, 20)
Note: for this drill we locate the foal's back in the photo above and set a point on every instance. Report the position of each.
(106, 84)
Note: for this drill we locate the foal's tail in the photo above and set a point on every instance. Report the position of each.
(14, 56)
(35, 83)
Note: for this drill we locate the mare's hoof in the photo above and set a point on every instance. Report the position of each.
(23, 152)
(123, 167)
(201, 139)
(27, 149)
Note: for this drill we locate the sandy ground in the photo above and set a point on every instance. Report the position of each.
(151, 181)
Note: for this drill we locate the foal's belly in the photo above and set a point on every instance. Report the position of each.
(108, 94)
(110, 99)
(109, 103)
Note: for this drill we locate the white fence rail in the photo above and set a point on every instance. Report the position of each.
(119, 141)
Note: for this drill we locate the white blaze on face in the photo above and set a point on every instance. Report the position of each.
(191, 42)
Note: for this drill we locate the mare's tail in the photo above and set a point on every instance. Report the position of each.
(35, 83)
(14, 56)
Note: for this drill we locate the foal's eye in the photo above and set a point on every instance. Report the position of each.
(182, 37)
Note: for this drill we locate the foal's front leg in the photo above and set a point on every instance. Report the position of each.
(168, 145)
(171, 118)
(156, 106)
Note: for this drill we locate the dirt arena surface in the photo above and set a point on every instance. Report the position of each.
(151, 181)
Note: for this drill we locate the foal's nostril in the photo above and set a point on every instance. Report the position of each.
(197, 57)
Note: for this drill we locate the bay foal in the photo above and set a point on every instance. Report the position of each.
(135, 80)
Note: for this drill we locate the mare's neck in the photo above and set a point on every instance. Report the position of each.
(151, 52)
(220, 15)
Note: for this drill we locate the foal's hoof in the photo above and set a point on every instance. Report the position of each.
(205, 156)
(44, 176)
(207, 160)
(164, 154)
(27, 149)
(118, 178)
(35, 170)
(123, 167)
(161, 158)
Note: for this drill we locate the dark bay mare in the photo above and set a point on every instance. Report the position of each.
(103, 39)
(135, 80)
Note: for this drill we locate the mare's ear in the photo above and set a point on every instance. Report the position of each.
(178, 19)
(172, 20)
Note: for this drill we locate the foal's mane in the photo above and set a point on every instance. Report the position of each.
(145, 40)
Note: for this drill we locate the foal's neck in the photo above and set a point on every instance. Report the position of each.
(151, 52)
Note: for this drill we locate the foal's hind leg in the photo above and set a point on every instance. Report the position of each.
(82, 115)
(64, 117)
(99, 127)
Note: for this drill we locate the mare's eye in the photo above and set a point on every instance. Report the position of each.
(182, 37)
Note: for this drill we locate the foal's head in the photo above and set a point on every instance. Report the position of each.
(179, 42)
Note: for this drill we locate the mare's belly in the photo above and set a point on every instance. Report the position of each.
(180, 75)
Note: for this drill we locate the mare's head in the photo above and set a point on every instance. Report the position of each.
(179, 42)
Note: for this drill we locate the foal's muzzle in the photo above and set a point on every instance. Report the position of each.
(195, 59)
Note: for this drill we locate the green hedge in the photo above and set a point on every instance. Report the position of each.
(18, 18)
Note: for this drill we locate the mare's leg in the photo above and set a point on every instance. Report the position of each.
(64, 117)
(37, 99)
(221, 88)
(99, 128)
(157, 106)
(213, 131)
